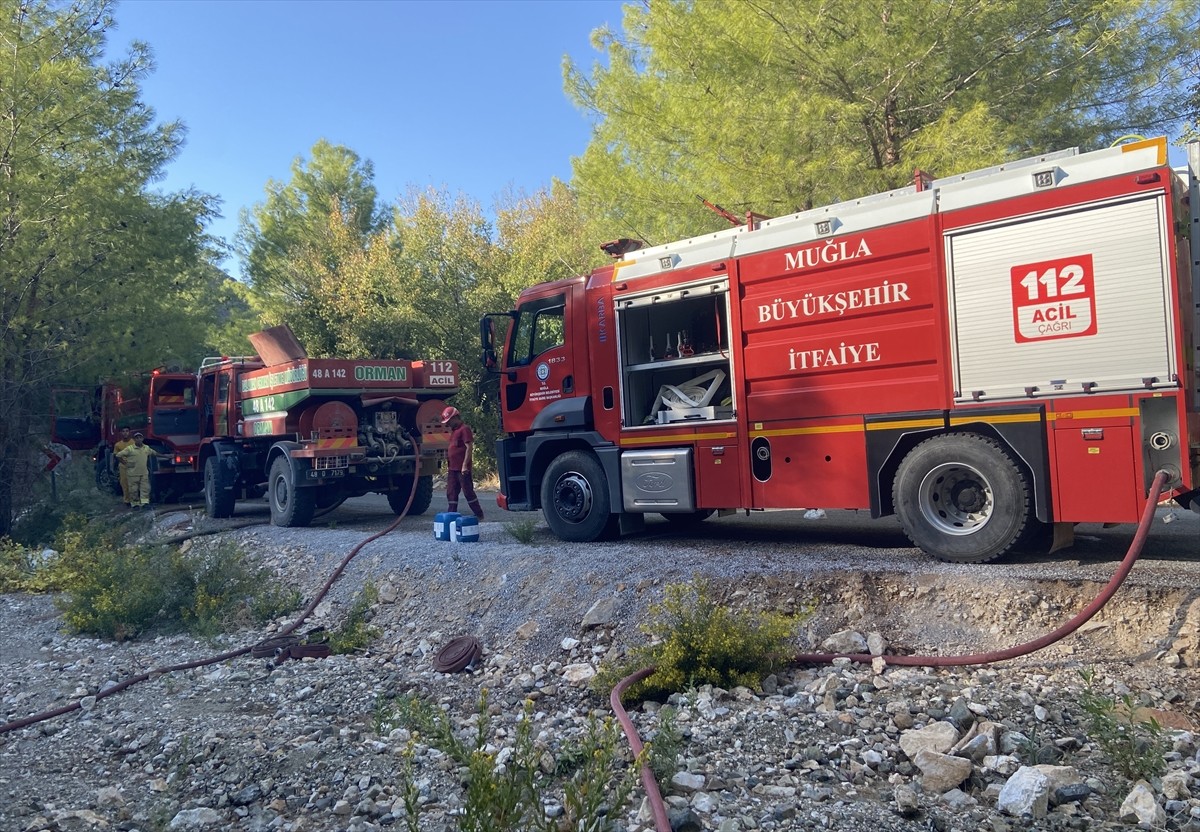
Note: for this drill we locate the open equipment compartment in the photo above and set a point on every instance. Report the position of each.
(675, 363)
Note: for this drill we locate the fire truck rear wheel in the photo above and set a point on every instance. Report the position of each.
(575, 497)
(421, 500)
(963, 498)
(290, 506)
(218, 502)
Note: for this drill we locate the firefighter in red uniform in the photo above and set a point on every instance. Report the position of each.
(459, 476)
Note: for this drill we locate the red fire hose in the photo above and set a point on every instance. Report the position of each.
(661, 821)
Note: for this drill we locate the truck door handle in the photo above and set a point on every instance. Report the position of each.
(568, 384)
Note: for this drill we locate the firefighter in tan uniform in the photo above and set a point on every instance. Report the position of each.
(135, 460)
(121, 444)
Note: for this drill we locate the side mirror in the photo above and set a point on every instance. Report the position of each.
(487, 343)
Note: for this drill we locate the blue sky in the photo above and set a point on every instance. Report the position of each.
(465, 95)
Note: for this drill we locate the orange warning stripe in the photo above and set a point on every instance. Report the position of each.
(325, 444)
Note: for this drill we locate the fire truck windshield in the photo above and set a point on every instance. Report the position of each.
(539, 328)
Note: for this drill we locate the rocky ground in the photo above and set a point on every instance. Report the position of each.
(304, 746)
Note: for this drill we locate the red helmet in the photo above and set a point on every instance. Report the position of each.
(448, 414)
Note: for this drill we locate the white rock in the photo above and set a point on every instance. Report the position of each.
(569, 643)
(937, 736)
(1141, 807)
(1026, 792)
(1060, 776)
(195, 819)
(578, 673)
(601, 613)
(110, 796)
(687, 782)
(876, 644)
(941, 772)
(1175, 785)
(846, 641)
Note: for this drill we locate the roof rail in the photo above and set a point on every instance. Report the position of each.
(227, 359)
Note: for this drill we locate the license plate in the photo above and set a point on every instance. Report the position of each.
(325, 473)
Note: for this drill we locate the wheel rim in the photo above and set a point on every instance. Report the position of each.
(280, 491)
(573, 497)
(956, 499)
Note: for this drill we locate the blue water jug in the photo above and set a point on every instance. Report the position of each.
(443, 525)
(465, 530)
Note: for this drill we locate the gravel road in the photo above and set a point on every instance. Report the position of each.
(246, 746)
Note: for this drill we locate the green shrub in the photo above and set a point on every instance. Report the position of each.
(594, 788)
(355, 632)
(522, 531)
(21, 568)
(1136, 747)
(221, 588)
(272, 601)
(664, 747)
(117, 590)
(41, 522)
(696, 641)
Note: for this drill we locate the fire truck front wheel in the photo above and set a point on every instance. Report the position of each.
(963, 498)
(575, 497)
(107, 477)
(218, 502)
(290, 506)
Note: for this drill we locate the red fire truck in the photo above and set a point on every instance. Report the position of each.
(988, 356)
(157, 404)
(307, 432)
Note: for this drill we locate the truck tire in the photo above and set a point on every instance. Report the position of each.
(290, 506)
(575, 498)
(107, 479)
(962, 498)
(218, 502)
(421, 500)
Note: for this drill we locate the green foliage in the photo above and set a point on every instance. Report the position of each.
(664, 747)
(523, 531)
(778, 106)
(499, 797)
(21, 568)
(41, 521)
(272, 601)
(116, 590)
(355, 632)
(696, 641)
(99, 271)
(1136, 746)
(309, 234)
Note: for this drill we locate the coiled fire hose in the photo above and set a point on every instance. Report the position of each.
(271, 645)
(663, 824)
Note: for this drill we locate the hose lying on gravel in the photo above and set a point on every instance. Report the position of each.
(1135, 550)
(241, 651)
(663, 824)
